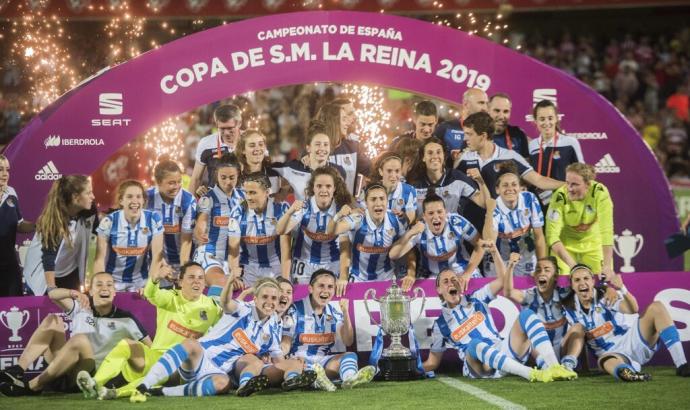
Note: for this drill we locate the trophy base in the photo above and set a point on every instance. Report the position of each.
(397, 369)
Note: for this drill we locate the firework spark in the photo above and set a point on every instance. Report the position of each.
(164, 140)
(372, 117)
(37, 46)
(124, 31)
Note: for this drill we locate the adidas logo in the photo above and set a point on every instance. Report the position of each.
(52, 141)
(49, 172)
(606, 165)
(110, 103)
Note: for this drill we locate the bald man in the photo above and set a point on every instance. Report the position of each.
(451, 133)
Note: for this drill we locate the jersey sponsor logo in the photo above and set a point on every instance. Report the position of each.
(373, 249)
(183, 331)
(467, 326)
(317, 338)
(259, 240)
(554, 325)
(600, 331)
(245, 342)
(48, 172)
(606, 165)
(171, 228)
(318, 236)
(127, 251)
(515, 234)
(221, 221)
(442, 257)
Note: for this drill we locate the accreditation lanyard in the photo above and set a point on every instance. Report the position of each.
(509, 143)
(541, 155)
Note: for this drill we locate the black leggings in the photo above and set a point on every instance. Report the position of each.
(70, 281)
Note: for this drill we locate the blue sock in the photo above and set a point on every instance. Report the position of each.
(569, 361)
(348, 366)
(289, 375)
(244, 378)
(671, 339)
(489, 355)
(536, 333)
(203, 387)
(620, 367)
(165, 366)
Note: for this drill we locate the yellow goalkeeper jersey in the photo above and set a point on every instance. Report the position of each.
(582, 226)
(178, 318)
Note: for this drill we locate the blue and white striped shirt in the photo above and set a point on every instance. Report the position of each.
(604, 325)
(445, 251)
(240, 333)
(550, 312)
(260, 244)
(313, 336)
(219, 208)
(127, 256)
(312, 244)
(370, 246)
(178, 217)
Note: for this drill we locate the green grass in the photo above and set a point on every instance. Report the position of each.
(589, 392)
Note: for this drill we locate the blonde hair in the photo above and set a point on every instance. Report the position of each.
(53, 223)
(122, 187)
(586, 171)
(241, 149)
(265, 283)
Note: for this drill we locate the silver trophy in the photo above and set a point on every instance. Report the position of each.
(14, 320)
(397, 362)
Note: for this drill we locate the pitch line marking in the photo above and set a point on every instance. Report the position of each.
(481, 394)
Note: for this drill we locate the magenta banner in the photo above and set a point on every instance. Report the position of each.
(20, 316)
(84, 127)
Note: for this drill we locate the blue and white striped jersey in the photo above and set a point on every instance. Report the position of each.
(445, 251)
(550, 312)
(604, 325)
(370, 246)
(178, 217)
(219, 208)
(403, 198)
(514, 229)
(313, 335)
(127, 256)
(240, 333)
(259, 244)
(312, 244)
(470, 319)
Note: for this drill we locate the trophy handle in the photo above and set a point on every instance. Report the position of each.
(366, 300)
(641, 242)
(417, 292)
(26, 315)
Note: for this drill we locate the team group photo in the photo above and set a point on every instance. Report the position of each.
(330, 203)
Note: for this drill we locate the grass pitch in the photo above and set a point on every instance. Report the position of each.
(590, 391)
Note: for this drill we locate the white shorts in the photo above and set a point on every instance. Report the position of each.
(301, 271)
(316, 359)
(209, 260)
(252, 273)
(133, 286)
(632, 347)
(206, 367)
(503, 347)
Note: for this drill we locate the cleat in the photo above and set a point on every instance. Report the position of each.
(255, 384)
(322, 381)
(304, 379)
(137, 397)
(364, 375)
(683, 370)
(628, 375)
(87, 385)
(560, 372)
(105, 393)
(540, 375)
(16, 390)
(12, 374)
(156, 391)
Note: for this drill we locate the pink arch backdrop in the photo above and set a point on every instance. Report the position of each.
(126, 101)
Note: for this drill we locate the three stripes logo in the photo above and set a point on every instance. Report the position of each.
(606, 165)
(110, 103)
(49, 172)
(52, 141)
